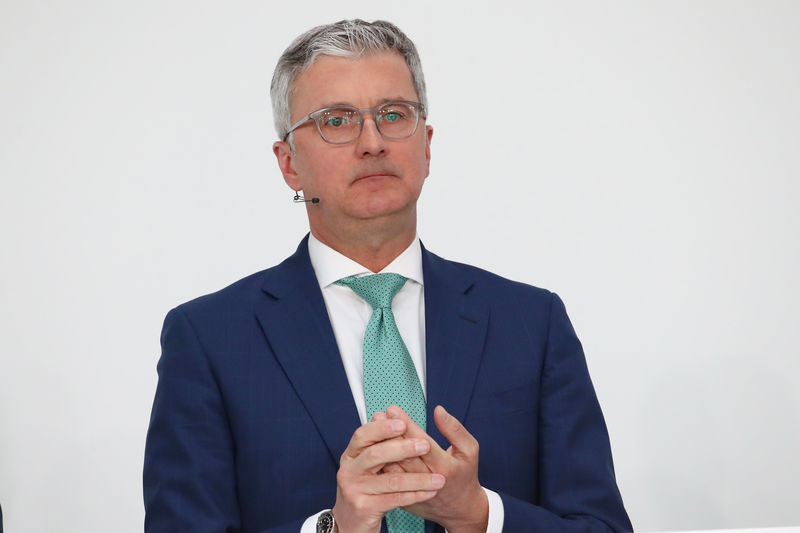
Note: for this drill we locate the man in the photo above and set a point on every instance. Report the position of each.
(294, 400)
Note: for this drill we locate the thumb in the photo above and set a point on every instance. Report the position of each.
(454, 431)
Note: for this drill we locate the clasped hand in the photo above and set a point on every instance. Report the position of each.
(392, 462)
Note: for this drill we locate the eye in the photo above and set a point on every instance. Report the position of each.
(336, 121)
(392, 115)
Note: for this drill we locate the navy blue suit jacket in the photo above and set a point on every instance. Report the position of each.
(253, 408)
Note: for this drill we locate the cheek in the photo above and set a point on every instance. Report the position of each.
(330, 174)
(315, 170)
(423, 164)
(423, 156)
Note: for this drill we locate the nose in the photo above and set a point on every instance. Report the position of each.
(370, 142)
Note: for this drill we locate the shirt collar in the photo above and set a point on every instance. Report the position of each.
(331, 266)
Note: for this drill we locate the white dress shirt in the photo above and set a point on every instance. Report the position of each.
(349, 315)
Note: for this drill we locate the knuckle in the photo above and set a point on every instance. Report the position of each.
(344, 457)
(407, 465)
(422, 495)
(371, 454)
(394, 482)
(473, 449)
(411, 447)
(350, 497)
(409, 450)
(358, 436)
(348, 494)
(393, 468)
(361, 503)
(399, 499)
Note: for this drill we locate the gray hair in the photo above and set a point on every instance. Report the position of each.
(346, 38)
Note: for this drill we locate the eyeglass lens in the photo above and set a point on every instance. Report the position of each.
(343, 124)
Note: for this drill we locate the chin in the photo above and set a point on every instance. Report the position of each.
(380, 203)
(378, 209)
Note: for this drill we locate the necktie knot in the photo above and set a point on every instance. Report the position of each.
(378, 290)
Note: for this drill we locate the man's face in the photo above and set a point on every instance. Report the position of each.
(371, 178)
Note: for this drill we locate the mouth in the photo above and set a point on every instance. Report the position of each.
(373, 175)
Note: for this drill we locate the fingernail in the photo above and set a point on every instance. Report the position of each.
(437, 480)
(397, 425)
(422, 446)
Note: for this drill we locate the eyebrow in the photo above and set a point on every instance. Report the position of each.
(348, 104)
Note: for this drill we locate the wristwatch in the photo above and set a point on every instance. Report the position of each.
(326, 523)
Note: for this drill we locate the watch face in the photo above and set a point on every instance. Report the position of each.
(325, 522)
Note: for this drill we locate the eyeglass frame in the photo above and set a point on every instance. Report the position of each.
(362, 112)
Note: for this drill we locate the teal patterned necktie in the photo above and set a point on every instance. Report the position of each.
(390, 377)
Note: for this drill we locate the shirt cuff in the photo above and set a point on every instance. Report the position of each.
(310, 525)
(496, 512)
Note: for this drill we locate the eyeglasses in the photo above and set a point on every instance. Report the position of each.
(343, 124)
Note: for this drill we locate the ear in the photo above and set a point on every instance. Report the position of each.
(285, 159)
(428, 137)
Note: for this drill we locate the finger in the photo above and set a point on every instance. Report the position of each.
(412, 464)
(394, 412)
(397, 412)
(434, 461)
(461, 440)
(372, 433)
(392, 468)
(406, 465)
(374, 458)
(387, 502)
(401, 482)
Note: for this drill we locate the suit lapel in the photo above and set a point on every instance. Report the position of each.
(294, 319)
(295, 322)
(455, 331)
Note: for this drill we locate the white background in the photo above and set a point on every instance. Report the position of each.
(639, 158)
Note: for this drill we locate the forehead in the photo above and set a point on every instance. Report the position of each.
(363, 81)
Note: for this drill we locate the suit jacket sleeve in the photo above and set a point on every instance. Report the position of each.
(576, 484)
(189, 469)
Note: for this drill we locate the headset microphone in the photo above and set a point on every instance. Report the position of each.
(299, 199)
